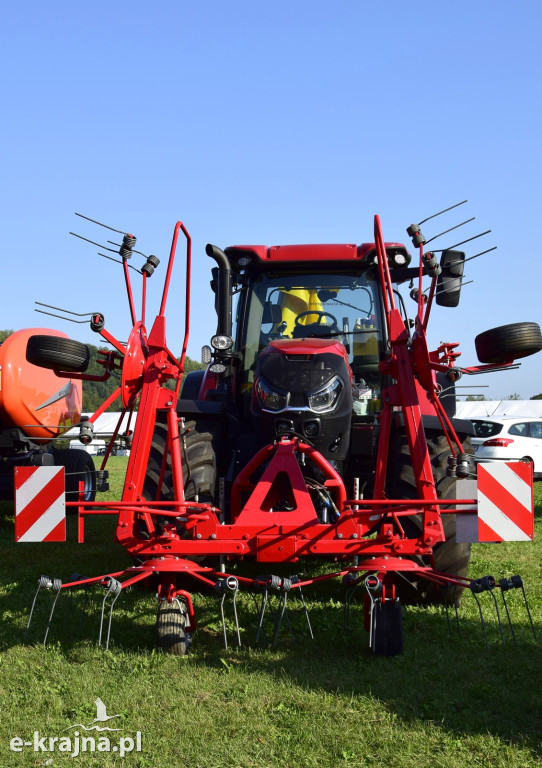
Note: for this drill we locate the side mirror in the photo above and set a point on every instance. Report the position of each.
(449, 280)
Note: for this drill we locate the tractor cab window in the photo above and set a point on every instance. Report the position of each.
(318, 305)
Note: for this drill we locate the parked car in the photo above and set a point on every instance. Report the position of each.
(509, 439)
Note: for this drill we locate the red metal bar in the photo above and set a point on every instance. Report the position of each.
(129, 290)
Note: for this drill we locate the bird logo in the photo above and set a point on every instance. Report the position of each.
(101, 717)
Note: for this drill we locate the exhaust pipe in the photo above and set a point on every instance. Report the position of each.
(225, 321)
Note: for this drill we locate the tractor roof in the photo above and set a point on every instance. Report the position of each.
(303, 253)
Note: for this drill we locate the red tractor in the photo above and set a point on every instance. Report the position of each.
(323, 427)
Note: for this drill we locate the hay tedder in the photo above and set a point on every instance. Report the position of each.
(323, 428)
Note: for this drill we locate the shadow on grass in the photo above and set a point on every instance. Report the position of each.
(452, 680)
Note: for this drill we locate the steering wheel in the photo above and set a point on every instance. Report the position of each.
(321, 316)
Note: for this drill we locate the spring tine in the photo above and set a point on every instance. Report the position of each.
(43, 581)
(517, 581)
(94, 221)
(306, 613)
(372, 621)
(445, 210)
(234, 599)
(222, 616)
(456, 612)
(56, 585)
(31, 611)
(110, 619)
(113, 588)
(263, 609)
(456, 245)
(508, 617)
(67, 311)
(449, 230)
(498, 616)
(119, 261)
(225, 585)
(452, 587)
(481, 619)
(279, 619)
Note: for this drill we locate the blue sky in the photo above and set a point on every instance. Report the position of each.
(269, 123)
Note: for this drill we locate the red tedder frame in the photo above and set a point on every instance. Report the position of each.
(255, 530)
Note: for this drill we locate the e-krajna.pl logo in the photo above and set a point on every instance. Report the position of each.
(76, 742)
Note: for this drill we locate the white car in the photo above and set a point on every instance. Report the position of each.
(508, 439)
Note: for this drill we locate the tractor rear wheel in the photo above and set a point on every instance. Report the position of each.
(198, 461)
(79, 467)
(57, 352)
(450, 557)
(171, 621)
(508, 342)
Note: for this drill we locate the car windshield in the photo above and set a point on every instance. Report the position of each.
(486, 428)
(324, 305)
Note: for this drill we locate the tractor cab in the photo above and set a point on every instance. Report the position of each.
(302, 355)
(304, 337)
(298, 302)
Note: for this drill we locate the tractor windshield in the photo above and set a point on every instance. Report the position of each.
(318, 305)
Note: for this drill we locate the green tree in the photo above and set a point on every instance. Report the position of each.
(475, 398)
(96, 392)
(537, 397)
(514, 396)
(4, 335)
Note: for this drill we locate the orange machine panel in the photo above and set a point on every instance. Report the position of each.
(34, 399)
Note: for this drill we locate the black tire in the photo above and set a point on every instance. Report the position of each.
(78, 465)
(57, 352)
(387, 637)
(171, 622)
(508, 342)
(450, 557)
(198, 461)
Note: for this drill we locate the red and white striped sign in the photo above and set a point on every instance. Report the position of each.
(40, 504)
(505, 504)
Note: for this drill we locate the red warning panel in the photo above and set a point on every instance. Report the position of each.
(505, 501)
(40, 504)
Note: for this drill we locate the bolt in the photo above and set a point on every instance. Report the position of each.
(213, 535)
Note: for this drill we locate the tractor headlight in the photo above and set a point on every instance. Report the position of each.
(326, 399)
(271, 399)
(222, 342)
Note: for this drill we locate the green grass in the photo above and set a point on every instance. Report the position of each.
(447, 701)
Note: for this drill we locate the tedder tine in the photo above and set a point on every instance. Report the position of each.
(516, 582)
(113, 588)
(44, 582)
(229, 585)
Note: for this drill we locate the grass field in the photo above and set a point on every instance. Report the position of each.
(328, 702)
